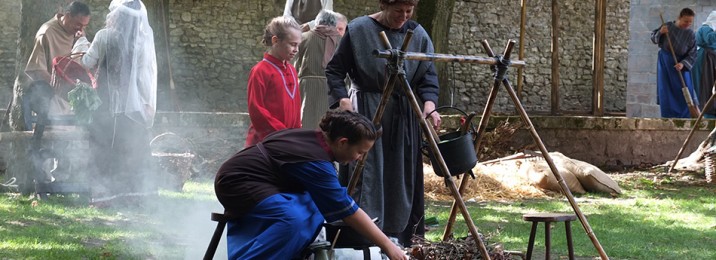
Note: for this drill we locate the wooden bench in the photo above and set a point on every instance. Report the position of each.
(548, 218)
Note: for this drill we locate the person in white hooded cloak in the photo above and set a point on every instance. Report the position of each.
(123, 59)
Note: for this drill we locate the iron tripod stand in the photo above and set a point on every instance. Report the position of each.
(397, 73)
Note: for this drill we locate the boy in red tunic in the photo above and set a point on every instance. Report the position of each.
(274, 98)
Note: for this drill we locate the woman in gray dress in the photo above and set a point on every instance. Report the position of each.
(391, 187)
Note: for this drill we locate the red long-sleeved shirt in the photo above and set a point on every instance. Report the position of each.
(274, 98)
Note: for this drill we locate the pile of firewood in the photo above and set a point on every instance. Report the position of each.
(497, 143)
(461, 249)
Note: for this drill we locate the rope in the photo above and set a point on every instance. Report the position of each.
(500, 69)
(10, 183)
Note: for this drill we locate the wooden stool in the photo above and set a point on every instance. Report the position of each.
(221, 220)
(548, 218)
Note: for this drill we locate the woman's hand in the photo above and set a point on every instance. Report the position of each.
(345, 104)
(434, 118)
(396, 253)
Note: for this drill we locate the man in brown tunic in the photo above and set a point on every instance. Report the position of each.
(56, 38)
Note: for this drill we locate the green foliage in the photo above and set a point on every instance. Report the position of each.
(84, 101)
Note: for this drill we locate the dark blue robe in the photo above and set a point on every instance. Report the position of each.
(669, 94)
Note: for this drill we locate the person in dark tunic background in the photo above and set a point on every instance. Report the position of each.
(669, 95)
(391, 187)
(703, 71)
(284, 187)
(305, 10)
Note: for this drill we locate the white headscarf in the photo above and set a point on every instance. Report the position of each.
(711, 20)
(133, 60)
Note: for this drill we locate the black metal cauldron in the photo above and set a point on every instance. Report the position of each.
(457, 149)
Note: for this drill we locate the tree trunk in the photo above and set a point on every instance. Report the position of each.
(158, 14)
(34, 14)
(436, 16)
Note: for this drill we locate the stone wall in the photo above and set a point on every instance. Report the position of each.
(607, 142)
(644, 17)
(10, 24)
(214, 44)
(498, 21)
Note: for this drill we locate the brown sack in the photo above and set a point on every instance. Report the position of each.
(592, 178)
(539, 174)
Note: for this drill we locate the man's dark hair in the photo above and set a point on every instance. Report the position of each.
(686, 12)
(77, 8)
(348, 124)
(392, 2)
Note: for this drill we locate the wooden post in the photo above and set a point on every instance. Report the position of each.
(33, 13)
(555, 57)
(521, 53)
(600, 20)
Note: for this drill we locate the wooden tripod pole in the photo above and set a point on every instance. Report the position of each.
(691, 133)
(557, 175)
(433, 145)
(388, 88)
(395, 66)
(486, 113)
(693, 110)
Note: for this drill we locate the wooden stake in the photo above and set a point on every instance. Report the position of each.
(691, 133)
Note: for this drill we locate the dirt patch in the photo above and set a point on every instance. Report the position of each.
(657, 175)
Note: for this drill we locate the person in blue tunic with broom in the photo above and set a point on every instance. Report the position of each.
(677, 53)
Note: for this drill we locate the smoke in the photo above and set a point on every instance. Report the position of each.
(174, 215)
(178, 220)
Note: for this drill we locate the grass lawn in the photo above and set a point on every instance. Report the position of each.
(663, 220)
(171, 225)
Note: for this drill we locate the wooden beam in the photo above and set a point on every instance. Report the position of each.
(521, 54)
(600, 20)
(555, 58)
